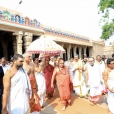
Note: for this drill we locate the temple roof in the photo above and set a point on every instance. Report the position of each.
(17, 17)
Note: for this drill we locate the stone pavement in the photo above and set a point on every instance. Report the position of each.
(79, 106)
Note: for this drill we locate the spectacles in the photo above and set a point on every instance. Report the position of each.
(20, 61)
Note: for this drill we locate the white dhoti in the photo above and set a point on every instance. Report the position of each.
(78, 82)
(110, 101)
(35, 112)
(80, 89)
(18, 102)
(41, 86)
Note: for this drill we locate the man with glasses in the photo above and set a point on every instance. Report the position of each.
(109, 83)
(16, 85)
(93, 81)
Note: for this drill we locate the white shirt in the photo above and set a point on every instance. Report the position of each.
(5, 68)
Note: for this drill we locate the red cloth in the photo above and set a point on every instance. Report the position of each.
(33, 106)
(48, 72)
(63, 83)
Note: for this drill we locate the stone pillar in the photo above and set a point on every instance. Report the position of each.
(19, 36)
(91, 52)
(85, 55)
(63, 48)
(14, 44)
(27, 39)
(74, 50)
(4, 47)
(80, 52)
(85, 50)
(68, 51)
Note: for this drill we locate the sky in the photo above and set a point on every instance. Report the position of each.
(78, 16)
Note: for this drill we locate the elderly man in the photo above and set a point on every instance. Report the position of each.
(93, 81)
(78, 79)
(102, 68)
(28, 65)
(109, 83)
(16, 89)
(62, 75)
(4, 64)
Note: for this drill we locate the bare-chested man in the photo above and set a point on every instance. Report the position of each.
(28, 65)
(109, 83)
(16, 88)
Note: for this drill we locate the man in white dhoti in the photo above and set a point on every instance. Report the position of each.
(93, 81)
(109, 83)
(78, 79)
(41, 83)
(17, 89)
(69, 65)
(102, 68)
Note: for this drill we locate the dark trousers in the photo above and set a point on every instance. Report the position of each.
(1, 92)
(0, 104)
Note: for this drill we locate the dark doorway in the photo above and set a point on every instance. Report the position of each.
(7, 38)
(71, 53)
(1, 51)
(87, 51)
(77, 51)
(82, 53)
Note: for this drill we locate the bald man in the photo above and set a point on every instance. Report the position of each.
(28, 65)
(93, 81)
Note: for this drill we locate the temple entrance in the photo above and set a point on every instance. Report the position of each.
(71, 53)
(6, 44)
(87, 52)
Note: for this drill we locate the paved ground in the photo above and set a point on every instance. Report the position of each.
(79, 106)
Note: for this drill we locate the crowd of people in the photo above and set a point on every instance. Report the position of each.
(25, 82)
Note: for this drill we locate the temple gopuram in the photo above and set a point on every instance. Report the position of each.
(17, 32)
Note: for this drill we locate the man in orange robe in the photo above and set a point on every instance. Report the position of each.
(48, 71)
(62, 75)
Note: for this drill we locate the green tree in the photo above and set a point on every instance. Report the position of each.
(105, 8)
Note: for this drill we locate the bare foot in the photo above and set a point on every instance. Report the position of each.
(63, 109)
(92, 104)
(109, 112)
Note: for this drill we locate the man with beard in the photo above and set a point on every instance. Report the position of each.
(28, 65)
(16, 88)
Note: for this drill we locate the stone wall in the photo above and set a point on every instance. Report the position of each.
(108, 51)
(97, 48)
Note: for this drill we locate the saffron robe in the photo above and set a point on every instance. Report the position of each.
(48, 71)
(63, 82)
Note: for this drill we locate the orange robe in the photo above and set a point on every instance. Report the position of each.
(48, 72)
(33, 106)
(63, 83)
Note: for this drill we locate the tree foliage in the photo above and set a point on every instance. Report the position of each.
(105, 8)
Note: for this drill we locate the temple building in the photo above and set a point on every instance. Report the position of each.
(17, 32)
